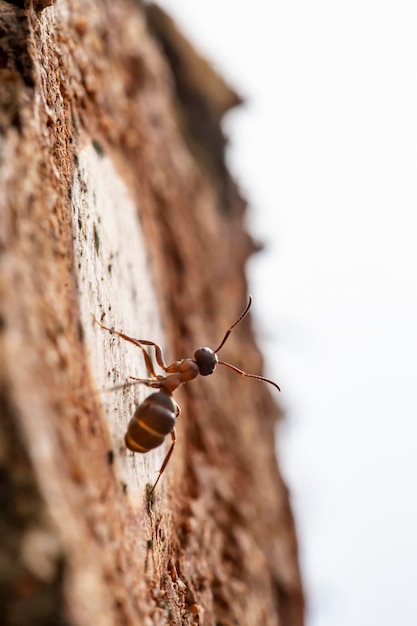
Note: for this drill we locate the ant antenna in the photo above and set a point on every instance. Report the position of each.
(245, 312)
(233, 367)
(242, 373)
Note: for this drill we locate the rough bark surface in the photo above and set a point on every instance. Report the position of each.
(115, 200)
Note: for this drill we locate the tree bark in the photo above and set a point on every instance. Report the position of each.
(115, 201)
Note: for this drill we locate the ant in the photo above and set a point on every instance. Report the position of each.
(156, 416)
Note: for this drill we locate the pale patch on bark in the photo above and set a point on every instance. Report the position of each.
(115, 285)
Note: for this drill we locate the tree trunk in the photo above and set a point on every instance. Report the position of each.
(115, 202)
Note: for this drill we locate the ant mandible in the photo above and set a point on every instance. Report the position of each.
(155, 417)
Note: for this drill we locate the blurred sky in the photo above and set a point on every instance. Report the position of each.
(326, 152)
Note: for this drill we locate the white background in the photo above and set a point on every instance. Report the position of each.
(326, 151)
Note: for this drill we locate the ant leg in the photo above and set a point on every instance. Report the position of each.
(156, 382)
(149, 382)
(148, 363)
(139, 343)
(165, 463)
(158, 352)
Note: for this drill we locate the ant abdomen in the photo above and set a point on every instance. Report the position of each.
(153, 419)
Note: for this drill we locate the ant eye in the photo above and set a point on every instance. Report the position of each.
(206, 360)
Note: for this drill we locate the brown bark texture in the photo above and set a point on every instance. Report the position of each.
(115, 201)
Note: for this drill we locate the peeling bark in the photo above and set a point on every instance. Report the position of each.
(115, 201)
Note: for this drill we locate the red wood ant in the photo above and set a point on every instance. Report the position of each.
(155, 417)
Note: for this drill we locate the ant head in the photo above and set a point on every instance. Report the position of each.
(206, 360)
